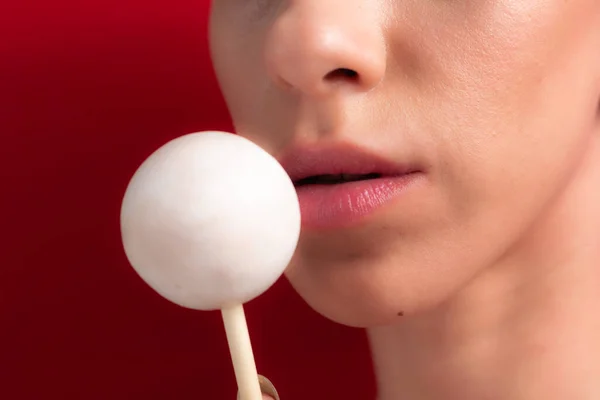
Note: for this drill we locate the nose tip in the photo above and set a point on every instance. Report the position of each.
(319, 57)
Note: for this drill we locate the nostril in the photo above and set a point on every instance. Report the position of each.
(342, 73)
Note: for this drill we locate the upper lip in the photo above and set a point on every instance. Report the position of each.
(338, 158)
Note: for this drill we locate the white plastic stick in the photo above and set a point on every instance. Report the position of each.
(240, 348)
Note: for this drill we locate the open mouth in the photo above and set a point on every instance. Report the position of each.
(336, 179)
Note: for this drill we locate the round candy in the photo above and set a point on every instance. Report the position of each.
(210, 220)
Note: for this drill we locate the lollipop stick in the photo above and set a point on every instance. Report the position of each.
(240, 348)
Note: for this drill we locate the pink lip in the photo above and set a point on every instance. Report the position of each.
(344, 204)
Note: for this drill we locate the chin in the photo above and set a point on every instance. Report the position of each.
(373, 280)
(369, 295)
(360, 310)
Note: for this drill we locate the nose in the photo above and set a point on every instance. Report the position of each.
(320, 47)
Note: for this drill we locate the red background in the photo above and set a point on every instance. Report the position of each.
(88, 89)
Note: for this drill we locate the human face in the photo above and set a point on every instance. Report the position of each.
(492, 102)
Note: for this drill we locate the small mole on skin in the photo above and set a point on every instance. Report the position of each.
(401, 314)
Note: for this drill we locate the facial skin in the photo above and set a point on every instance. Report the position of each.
(496, 100)
(482, 281)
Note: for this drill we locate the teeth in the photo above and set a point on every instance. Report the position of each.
(350, 177)
(333, 179)
(342, 178)
(329, 178)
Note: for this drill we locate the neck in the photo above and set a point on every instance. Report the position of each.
(526, 328)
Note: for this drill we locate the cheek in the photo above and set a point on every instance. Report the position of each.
(513, 106)
(258, 110)
(236, 56)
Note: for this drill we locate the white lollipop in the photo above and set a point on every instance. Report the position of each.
(210, 221)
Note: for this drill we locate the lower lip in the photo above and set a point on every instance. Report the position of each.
(346, 204)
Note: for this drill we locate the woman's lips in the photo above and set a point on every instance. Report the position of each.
(327, 205)
(344, 204)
